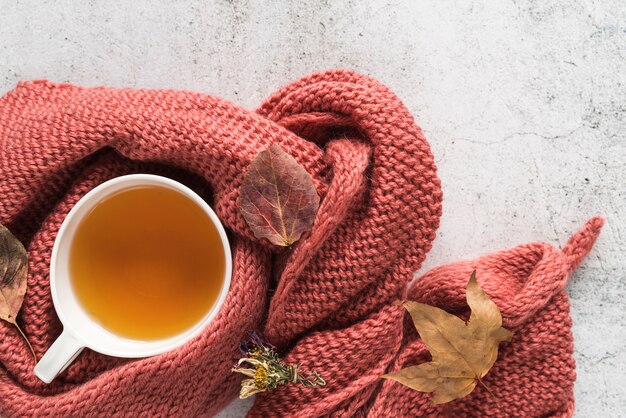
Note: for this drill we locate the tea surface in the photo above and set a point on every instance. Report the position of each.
(147, 263)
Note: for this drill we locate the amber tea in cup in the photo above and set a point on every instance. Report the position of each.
(140, 266)
(147, 263)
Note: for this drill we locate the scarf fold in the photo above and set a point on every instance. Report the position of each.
(327, 303)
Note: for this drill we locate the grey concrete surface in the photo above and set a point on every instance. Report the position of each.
(524, 103)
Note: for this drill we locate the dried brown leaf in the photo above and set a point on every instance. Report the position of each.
(278, 198)
(13, 275)
(462, 352)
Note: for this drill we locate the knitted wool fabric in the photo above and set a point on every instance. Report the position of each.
(327, 303)
(533, 376)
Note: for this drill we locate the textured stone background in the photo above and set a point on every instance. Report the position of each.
(524, 103)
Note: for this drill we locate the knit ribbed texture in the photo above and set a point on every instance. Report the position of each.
(327, 303)
(533, 376)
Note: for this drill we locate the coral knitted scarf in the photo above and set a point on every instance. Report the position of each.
(327, 303)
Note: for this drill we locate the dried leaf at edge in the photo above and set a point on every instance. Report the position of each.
(278, 198)
(13, 277)
(462, 353)
(13, 274)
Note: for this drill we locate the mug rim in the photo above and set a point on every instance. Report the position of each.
(96, 337)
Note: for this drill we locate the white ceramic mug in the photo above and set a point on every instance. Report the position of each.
(79, 329)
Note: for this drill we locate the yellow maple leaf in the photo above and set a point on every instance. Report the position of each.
(462, 352)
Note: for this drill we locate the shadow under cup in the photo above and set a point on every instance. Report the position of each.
(84, 309)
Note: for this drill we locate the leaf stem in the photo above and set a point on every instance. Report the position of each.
(26, 339)
(489, 390)
(495, 398)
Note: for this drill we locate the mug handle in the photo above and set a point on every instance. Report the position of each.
(60, 355)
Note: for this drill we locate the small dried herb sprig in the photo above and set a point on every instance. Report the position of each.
(266, 370)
